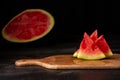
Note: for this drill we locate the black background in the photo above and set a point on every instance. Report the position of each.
(72, 19)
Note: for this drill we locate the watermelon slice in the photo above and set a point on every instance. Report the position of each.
(94, 35)
(29, 25)
(93, 47)
(103, 45)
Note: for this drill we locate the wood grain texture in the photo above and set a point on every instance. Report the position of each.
(69, 62)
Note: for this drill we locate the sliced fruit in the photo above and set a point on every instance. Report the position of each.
(88, 50)
(94, 35)
(93, 47)
(29, 25)
(103, 46)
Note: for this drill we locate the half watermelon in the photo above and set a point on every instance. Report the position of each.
(29, 25)
(93, 47)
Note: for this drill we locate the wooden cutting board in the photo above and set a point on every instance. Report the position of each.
(69, 62)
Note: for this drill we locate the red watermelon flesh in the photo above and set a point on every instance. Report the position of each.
(29, 25)
(94, 35)
(92, 48)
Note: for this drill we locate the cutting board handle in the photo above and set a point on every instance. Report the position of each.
(26, 62)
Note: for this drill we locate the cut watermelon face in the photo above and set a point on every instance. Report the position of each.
(29, 25)
(93, 47)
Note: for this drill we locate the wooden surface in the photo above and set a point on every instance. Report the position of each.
(69, 62)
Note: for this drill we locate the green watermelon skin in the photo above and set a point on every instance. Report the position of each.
(93, 47)
(93, 55)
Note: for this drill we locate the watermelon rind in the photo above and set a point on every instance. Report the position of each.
(75, 54)
(90, 56)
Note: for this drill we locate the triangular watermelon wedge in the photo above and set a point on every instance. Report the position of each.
(93, 47)
(103, 45)
(94, 35)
